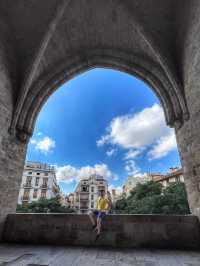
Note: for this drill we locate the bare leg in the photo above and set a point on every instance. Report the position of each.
(92, 218)
(99, 220)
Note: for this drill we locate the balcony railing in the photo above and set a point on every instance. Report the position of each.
(25, 198)
(27, 185)
(44, 186)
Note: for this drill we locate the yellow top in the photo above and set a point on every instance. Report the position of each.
(102, 204)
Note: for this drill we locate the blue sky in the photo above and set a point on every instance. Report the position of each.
(103, 121)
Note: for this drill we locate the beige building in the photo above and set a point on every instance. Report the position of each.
(87, 192)
(132, 181)
(174, 175)
(71, 200)
(38, 181)
(115, 195)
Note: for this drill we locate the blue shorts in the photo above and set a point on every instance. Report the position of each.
(99, 214)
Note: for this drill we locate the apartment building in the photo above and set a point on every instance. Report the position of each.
(38, 181)
(175, 174)
(132, 181)
(87, 193)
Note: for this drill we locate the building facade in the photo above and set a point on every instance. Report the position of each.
(174, 175)
(38, 181)
(87, 193)
(132, 181)
(115, 195)
(71, 200)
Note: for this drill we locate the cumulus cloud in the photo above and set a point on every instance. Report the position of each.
(136, 132)
(66, 173)
(69, 173)
(44, 145)
(163, 146)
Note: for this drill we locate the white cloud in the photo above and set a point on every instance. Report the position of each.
(69, 173)
(33, 141)
(136, 132)
(102, 141)
(163, 146)
(66, 173)
(99, 169)
(132, 169)
(44, 145)
(132, 154)
(111, 152)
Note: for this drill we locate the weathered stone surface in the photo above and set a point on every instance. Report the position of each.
(20, 255)
(45, 43)
(118, 230)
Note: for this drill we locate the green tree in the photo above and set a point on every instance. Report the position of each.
(152, 198)
(45, 206)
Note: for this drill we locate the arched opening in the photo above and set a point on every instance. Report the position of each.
(171, 99)
(128, 130)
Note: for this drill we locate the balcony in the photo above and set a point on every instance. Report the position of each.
(27, 185)
(25, 198)
(44, 186)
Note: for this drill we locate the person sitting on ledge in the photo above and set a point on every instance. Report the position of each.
(103, 206)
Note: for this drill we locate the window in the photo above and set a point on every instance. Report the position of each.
(35, 193)
(37, 181)
(26, 194)
(92, 197)
(29, 173)
(46, 174)
(28, 181)
(43, 194)
(45, 181)
(101, 188)
(92, 189)
(84, 189)
(38, 173)
(92, 204)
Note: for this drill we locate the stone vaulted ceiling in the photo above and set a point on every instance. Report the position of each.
(45, 43)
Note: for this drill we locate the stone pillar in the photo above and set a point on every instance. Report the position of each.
(12, 155)
(188, 138)
(12, 151)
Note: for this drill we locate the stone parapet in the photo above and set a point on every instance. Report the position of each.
(155, 231)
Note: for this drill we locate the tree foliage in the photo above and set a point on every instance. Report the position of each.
(45, 206)
(152, 198)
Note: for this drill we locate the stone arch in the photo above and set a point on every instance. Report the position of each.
(143, 68)
(143, 58)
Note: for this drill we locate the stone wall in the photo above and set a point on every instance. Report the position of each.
(12, 151)
(118, 230)
(188, 135)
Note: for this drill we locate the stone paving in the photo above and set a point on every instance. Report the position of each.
(21, 255)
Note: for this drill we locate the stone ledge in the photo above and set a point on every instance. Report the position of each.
(156, 231)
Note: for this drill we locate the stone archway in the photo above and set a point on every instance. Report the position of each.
(45, 44)
(173, 104)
